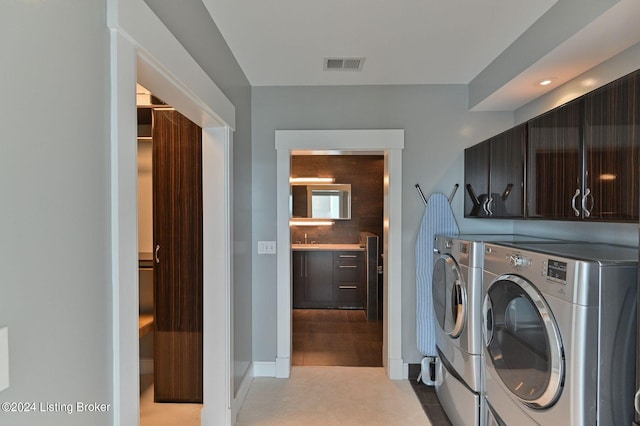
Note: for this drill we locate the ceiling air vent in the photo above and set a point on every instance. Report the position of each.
(343, 64)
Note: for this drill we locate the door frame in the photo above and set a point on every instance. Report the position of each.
(143, 50)
(391, 143)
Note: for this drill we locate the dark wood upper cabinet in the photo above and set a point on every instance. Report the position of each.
(582, 161)
(494, 176)
(612, 147)
(555, 163)
(476, 179)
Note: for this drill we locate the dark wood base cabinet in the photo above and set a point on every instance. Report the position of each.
(327, 279)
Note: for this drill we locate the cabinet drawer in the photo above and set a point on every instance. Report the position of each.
(347, 272)
(347, 256)
(348, 294)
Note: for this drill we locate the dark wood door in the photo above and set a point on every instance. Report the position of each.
(177, 233)
(612, 144)
(476, 179)
(506, 173)
(554, 163)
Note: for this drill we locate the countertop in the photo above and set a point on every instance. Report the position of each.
(327, 247)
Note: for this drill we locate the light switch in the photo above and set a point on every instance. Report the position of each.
(4, 358)
(266, 247)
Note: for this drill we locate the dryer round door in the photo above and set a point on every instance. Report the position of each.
(523, 341)
(449, 296)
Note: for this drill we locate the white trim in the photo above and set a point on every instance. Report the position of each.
(139, 41)
(264, 369)
(137, 22)
(241, 394)
(391, 143)
(217, 296)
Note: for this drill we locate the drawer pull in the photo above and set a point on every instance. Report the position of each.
(348, 287)
(350, 256)
(348, 266)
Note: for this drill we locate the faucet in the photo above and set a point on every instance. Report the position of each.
(305, 238)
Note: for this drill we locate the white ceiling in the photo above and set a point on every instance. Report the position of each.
(284, 42)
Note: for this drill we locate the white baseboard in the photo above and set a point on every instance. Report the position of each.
(146, 366)
(241, 394)
(264, 369)
(397, 369)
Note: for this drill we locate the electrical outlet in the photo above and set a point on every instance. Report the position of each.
(266, 247)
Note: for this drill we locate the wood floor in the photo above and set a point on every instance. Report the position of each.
(335, 337)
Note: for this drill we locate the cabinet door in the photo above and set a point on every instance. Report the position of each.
(318, 287)
(506, 173)
(554, 164)
(476, 179)
(177, 233)
(612, 143)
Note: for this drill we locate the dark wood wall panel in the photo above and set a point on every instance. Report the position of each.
(365, 173)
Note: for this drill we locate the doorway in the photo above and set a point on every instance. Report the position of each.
(150, 54)
(335, 319)
(388, 142)
(170, 248)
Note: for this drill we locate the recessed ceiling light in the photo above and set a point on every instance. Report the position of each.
(545, 82)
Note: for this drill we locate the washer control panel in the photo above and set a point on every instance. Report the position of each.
(556, 270)
(518, 261)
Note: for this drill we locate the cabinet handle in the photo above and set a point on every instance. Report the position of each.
(573, 202)
(348, 287)
(157, 253)
(585, 198)
(488, 208)
(347, 266)
(305, 266)
(302, 265)
(351, 256)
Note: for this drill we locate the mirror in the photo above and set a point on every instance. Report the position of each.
(326, 201)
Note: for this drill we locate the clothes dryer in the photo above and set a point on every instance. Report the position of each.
(559, 333)
(457, 299)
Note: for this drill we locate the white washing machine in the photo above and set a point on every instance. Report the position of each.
(559, 333)
(457, 299)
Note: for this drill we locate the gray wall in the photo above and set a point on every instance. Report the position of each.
(192, 25)
(616, 67)
(55, 279)
(437, 126)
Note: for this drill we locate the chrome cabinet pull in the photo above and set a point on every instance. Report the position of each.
(347, 266)
(350, 256)
(585, 198)
(351, 287)
(157, 253)
(573, 202)
(485, 206)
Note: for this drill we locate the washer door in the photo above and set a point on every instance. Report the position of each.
(449, 296)
(523, 341)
